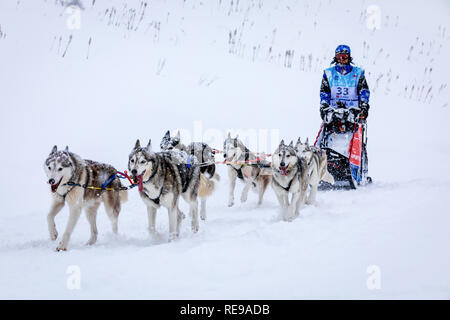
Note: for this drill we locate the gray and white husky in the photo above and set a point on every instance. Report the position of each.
(289, 176)
(316, 167)
(163, 177)
(240, 164)
(62, 167)
(204, 155)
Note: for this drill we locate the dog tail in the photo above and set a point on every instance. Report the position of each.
(328, 177)
(207, 186)
(324, 174)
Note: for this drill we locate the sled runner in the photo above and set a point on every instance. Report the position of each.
(345, 140)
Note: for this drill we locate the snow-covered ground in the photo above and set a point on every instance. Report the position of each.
(208, 67)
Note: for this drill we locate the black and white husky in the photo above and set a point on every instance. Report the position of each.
(289, 176)
(316, 167)
(62, 167)
(204, 155)
(241, 164)
(163, 177)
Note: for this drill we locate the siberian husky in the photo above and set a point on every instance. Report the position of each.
(289, 176)
(204, 155)
(316, 167)
(241, 164)
(163, 177)
(62, 167)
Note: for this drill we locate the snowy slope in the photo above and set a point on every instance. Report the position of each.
(225, 64)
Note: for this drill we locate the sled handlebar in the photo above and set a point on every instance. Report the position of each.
(342, 114)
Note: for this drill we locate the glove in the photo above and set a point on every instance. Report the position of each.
(324, 110)
(364, 113)
(329, 117)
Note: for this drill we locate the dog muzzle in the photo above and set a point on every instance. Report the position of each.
(54, 186)
(283, 171)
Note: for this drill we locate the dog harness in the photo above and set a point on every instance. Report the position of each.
(288, 186)
(73, 185)
(247, 153)
(299, 168)
(184, 182)
(210, 168)
(187, 170)
(239, 171)
(70, 189)
(157, 199)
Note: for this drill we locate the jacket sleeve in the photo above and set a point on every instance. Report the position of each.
(325, 91)
(363, 89)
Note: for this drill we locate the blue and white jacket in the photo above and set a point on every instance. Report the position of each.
(346, 84)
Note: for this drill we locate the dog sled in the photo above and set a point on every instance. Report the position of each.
(344, 139)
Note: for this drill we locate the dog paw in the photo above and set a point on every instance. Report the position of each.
(195, 228)
(288, 217)
(243, 199)
(91, 242)
(61, 247)
(173, 237)
(53, 235)
(231, 203)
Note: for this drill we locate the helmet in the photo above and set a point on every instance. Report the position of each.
(343, 48)
(342, 55)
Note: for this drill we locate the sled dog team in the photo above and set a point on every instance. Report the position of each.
(179, 171)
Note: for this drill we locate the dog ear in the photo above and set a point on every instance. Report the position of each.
(138, 144)
(237, 136)
(291, 144)
(66, 149)
(282, 143)
(55, 148)
(229, 135)
(299, 141)
(306, 142)
(178, 135)
(167, 135)
(149, 145)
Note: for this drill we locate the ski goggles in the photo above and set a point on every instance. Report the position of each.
(342, 58)
(342, 55)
